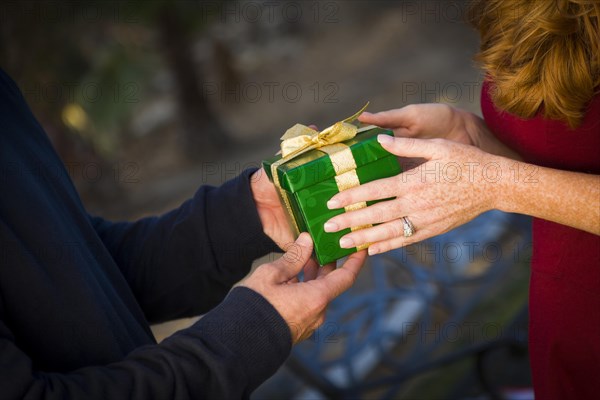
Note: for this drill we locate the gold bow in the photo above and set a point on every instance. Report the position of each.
(300, 138)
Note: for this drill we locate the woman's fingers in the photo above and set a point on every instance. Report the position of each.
(390, 187)
(375, 190)
(381, 212)
(401, 241)
(424, 229)
(389, 230)
(409, 147)
(391, 119)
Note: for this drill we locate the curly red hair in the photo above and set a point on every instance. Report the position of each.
(541, 55)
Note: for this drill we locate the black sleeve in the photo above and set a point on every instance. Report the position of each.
(225, 355)
(184, 262)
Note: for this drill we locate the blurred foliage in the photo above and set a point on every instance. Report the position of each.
(101, 56)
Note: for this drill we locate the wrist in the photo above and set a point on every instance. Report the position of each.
(505, 195)
(465, 127)
(472, 126)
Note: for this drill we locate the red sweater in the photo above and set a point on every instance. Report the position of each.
(564, 293)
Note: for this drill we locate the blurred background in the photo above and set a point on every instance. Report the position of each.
(147, 100)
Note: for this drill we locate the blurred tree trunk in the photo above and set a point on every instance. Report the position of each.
(202, 133)
(23, 44)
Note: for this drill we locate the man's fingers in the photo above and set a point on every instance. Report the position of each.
(295, 257)
(338, 281)
(311, 270)
(326, 270)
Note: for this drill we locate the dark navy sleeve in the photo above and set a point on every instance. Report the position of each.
(184, 262)
(70, 323)
(225, 355)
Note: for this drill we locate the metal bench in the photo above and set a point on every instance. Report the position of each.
(412, 311)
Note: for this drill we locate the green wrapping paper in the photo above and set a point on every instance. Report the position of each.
(308, 181)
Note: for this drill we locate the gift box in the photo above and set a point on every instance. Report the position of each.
(316, 166)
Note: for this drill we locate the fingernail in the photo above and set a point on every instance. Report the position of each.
(346, 243)
(385, 139)
(333, 204)
(303, 239)
(372, 250)
(366, 113)
(331, 226)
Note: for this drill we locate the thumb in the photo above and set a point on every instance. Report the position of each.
(339, 280)
(295, 257)
(391, 119)
(409, 147)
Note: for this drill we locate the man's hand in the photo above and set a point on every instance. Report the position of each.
(272, 216)
(302, 304)
(271, 213)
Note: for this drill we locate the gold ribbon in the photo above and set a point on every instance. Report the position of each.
(300, 138)
(346, 177)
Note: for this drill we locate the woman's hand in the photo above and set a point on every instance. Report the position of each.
(426, 121)
(430, 121)
(456, 183)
